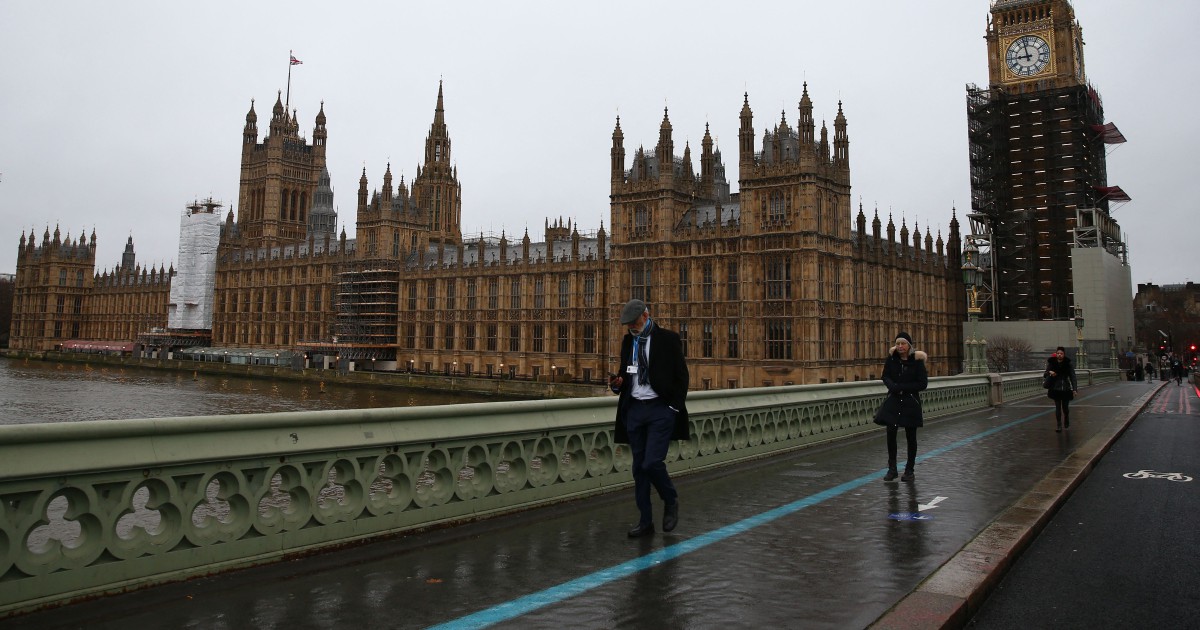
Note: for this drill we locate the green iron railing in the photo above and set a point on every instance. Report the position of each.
(98, 507)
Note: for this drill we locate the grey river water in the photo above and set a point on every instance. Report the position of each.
(47, 391)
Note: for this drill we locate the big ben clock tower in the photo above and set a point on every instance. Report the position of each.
(1039, 192)
(1034, 44)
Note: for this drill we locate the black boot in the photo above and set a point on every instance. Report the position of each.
(891, 474)
(670, 516)
(641, 529)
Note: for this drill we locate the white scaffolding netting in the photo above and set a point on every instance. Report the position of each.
(191, 304)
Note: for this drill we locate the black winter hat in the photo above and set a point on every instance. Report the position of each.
(905, 336)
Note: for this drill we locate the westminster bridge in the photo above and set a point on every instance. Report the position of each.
(505, 513)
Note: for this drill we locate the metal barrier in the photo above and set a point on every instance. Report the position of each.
(99, 507)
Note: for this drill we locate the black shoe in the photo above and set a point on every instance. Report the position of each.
(671, 516)
(1066, 423)
(907, 476)
(891, 475)
(641, 529)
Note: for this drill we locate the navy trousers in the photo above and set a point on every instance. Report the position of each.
(650, 425)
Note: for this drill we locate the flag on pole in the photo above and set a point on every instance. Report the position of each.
(295, 61)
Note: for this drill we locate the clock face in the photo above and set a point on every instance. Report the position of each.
(1027, 55)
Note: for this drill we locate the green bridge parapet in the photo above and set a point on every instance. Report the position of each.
(102, 507)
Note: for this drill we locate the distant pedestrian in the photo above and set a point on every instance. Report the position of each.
(1149, 370)
(652, 384)
(1062, 388)
(1138, 373)
(905, 376)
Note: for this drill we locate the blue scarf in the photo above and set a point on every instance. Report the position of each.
(639, 349)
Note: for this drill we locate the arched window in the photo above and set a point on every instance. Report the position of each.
(641, 218)
(777, 208)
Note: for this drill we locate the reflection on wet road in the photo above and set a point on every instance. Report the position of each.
(529, 603)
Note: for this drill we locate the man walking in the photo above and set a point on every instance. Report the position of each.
(652, 383)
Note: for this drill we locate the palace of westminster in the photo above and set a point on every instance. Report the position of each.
(781, 282)
(776, 284)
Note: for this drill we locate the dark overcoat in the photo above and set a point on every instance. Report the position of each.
(668, 377)
(905, 380)
(1064, 383)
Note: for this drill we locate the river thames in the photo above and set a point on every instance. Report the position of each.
(47, 391)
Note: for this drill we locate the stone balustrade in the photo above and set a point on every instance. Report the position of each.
(98, 507)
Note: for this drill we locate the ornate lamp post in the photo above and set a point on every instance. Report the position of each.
(976, 361)
(1080, 355)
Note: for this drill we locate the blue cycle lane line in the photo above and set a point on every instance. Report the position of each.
(529, 603)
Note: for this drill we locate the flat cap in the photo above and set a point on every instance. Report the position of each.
(632, 310)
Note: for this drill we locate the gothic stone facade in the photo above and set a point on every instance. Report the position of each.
(772, 285)
(59, 297)
(768, 286)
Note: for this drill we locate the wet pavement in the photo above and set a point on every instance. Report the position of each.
(812, 539)
(1122, 551)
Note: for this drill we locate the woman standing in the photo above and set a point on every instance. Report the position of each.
(1062, 387)
(905, 377)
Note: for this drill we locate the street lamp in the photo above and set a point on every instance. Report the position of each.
(1112, 347)
(975, 363)
(1080, 355)
(502, 370)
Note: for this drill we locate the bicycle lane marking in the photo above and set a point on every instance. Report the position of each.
(535, 601)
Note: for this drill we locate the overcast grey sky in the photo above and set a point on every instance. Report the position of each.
(116, 115)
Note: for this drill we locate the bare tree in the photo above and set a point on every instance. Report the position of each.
(1008, 354)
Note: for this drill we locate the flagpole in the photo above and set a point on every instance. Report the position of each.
(288, 99)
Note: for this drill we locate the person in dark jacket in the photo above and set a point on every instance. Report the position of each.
(1063, 386)
(652, 383)
(905, 376)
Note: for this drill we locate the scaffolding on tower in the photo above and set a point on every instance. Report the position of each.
(366, 305)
